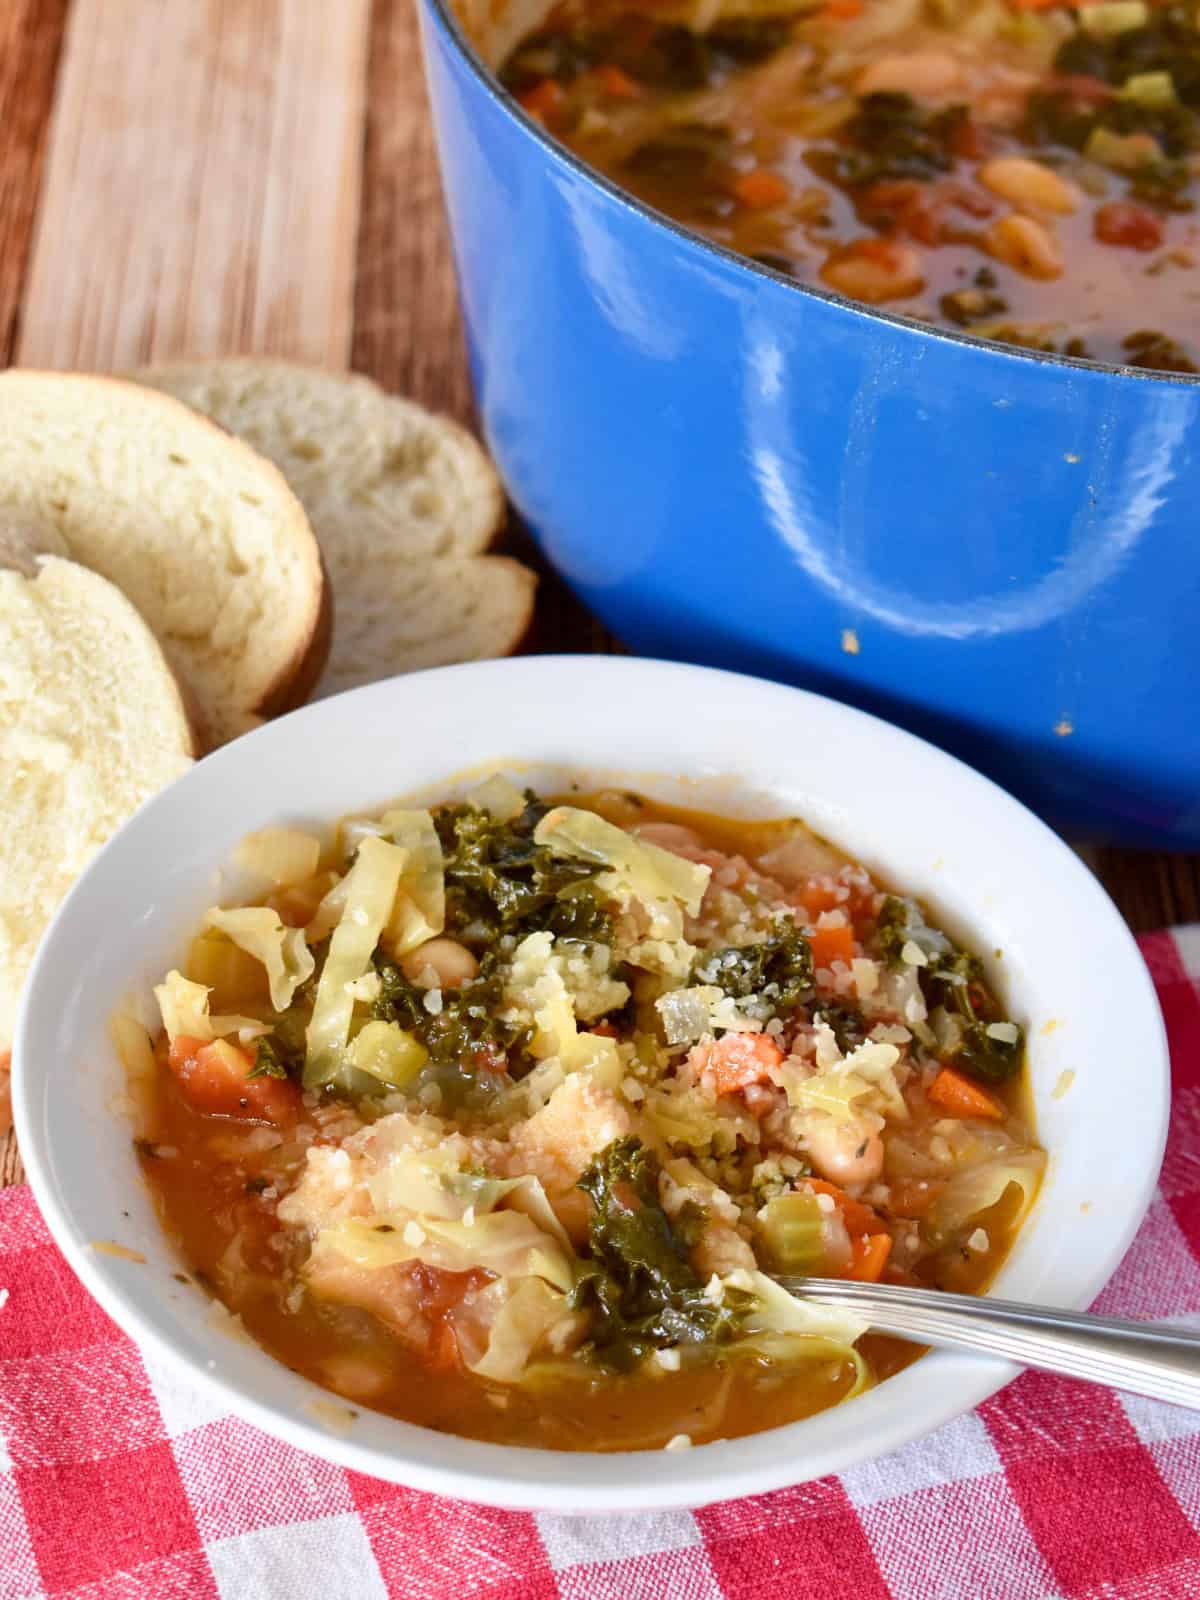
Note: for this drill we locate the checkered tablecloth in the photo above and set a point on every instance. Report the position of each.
(116, 1479)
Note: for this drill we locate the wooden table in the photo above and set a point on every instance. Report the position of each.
(258, 175)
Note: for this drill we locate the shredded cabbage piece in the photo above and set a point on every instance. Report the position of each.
(976, 1189)
(636, 868)
(529, 1313)
(283, 951)
(774, 1310)
(184, 1008)
(499, 797)
(281, 855)
(507, 1243)
(370, 893)
(420, 909)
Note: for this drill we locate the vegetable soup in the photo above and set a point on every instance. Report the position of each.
(498, 1116)
(1022, 170)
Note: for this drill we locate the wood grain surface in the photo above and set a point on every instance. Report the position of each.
(259, 176)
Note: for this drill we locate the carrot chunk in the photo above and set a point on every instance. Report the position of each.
(545, 100)
(871, 1252)
(962, 1098)
(831, 944)
(859, 1218)
(760, 189)
(740, 1059)
(618, 85)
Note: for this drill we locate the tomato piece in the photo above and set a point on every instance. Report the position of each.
(817, 897)
(1132, 227)
(618, 85)
(215, 1078)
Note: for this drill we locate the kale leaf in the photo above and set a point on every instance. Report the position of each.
(497, 876)
(641, 1290)
(467, 1031)
(891, 136)
(273, 1060)
(784, 960)
(953, 978)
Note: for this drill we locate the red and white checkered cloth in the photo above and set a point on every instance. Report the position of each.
(116, 1479)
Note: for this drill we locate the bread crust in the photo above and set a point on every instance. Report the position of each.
(308, 626)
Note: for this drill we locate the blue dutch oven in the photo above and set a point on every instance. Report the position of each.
(997, 549)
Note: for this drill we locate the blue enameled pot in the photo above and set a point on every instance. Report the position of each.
(997, 549)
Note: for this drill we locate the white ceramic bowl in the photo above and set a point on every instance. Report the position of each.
(922, 820)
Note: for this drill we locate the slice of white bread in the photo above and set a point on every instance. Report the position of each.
(403, 503)
(203, 536)
(92, 723)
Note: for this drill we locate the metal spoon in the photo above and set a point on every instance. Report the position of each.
(1136, 1356)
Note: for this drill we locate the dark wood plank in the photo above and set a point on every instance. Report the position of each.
(31, 34)
(30, 39)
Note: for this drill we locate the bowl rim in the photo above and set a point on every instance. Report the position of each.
(451, 29)
(537, 1479)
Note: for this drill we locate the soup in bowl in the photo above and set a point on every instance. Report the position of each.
(498, 1204)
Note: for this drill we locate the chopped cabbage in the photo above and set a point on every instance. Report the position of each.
(636, 868)
(976, 1189)
(774, 1310)
(283, 951)
(433, 1183)
(385, 1051)
(537, 989)
(499, 797)
(370, 894)
(507, 1243)
(281, 855)
(529, 1313)
(184, 1008)
(683, 1116)
(866, 1075)
(688, 1014)
(420, 908)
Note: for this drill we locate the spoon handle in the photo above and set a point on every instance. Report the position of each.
(1163, 1363)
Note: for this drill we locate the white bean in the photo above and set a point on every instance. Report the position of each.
(440, 964)
(1022, 243)
(1029, 184)
(874, 270)
(844, 1152)
(924, 74)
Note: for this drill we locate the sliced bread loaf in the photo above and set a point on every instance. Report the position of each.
(202, 535)
(91, 724)
(403, 503)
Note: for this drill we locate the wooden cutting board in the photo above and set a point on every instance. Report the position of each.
(190, 177)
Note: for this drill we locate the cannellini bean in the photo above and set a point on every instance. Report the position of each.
(1028, 183)
(844, 1152)
(440, 964)
(1025, 244)
(924, 74)
(874, 270)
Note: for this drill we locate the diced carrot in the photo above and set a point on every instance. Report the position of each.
(870, 1257)
(962, 1098)
(760, 189)
(740, 1059)
(1034, 5)
(831, 944)
(859, 1218)
(215, 1078)
(913, 1198)
(842, 10)
(618, 85)
(545, 100)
